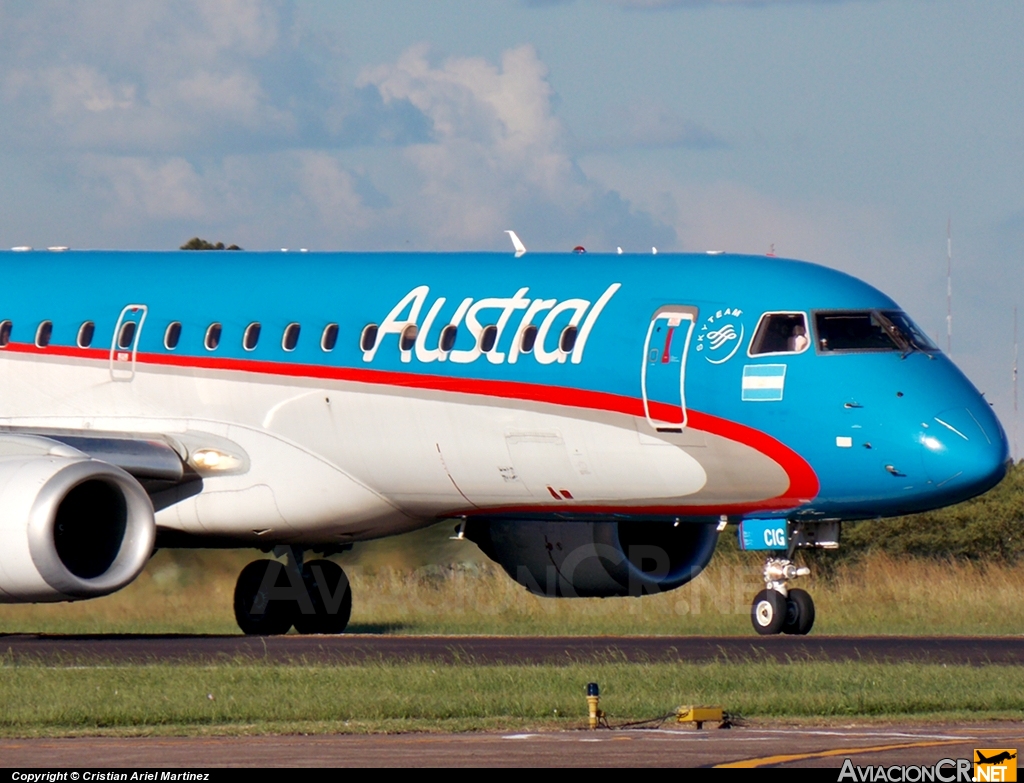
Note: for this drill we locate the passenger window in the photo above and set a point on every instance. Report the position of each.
(329, 338)
(853, 330)
(291, 337)
(368, 338)
(488, 337)
(251, 337)
(85, 334)
(172, 335)
(44, 333)
(127, 334)
(448, 335)
(212, 339)
(5, 333)
(567, 340)
(528, 339)
(780, 333)
(408, 338)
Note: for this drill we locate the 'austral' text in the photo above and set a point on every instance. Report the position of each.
(408, 311)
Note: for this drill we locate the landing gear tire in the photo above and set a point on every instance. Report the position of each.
(799, 612)
(768, 612)
(329, 592)
(255, 612)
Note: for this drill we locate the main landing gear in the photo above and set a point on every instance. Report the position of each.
(780, 608)
(271, 596)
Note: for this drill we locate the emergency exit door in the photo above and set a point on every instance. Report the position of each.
(125, 342)
(663, 376)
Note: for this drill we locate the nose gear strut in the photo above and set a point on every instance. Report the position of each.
(778, 571)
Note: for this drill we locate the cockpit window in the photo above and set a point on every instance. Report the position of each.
(910, 331)
(869, 330)
(780, 333)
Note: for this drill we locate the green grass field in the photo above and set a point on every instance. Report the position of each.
(425, 584)
(245, 698)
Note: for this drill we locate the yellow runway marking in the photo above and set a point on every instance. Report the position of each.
(820, 754)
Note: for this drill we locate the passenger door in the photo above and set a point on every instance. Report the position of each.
(663, 374)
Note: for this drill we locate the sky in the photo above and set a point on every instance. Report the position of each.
(845, 132)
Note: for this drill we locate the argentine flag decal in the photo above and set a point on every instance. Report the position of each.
(763, 382)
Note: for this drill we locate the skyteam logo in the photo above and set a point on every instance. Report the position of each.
(721, 335)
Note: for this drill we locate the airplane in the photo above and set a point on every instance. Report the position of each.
(996, 759)
(592, 422)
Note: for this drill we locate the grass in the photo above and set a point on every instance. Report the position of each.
(427, 584)
(400, 588)
(245, 698)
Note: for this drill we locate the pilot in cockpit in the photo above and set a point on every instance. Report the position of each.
(798, 340)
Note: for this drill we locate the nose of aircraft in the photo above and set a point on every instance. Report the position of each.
(964, 451)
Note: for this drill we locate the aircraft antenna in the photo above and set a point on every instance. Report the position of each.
(949, 287)
(517, 243)
(1015, 355)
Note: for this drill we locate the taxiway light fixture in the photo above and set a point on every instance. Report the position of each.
(593, 698)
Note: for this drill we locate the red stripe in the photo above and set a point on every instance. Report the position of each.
(803, 483)
(57, 350)
(780, 503)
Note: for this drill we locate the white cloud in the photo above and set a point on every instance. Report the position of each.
(113, 76)
(180, 112)
(498, 156)
(332, 191)
(144, 188)
(738, 218)
(648, 5)
(653, 4)
(647, 125)
(251, 27)
(724, 215)
(82, 86)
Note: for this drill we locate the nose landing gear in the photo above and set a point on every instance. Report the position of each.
(779, 608)
(271, 597)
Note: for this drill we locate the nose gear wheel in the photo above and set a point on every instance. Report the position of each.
(799, 612)
(768, 612)
(779, 608)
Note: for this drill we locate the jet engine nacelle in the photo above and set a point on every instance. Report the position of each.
(72, 527)
(596, 559)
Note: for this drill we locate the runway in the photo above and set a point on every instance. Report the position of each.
(498, 650)
(784, 747)
(754, 746)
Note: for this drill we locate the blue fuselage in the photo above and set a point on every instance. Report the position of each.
(884, 428)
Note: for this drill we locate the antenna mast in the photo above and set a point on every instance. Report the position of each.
(1015, 452)
(949, 287)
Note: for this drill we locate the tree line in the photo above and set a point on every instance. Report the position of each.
(195, 243)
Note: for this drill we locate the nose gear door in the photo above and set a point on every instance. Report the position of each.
(663, 373)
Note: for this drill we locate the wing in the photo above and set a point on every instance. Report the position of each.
(158, 462)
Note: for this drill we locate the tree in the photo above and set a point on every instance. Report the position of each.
(986, 528)
(195, 243)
